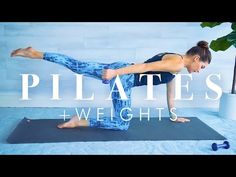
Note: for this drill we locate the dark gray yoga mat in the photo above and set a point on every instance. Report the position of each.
(46, 131)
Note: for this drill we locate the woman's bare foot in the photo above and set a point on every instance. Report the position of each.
(28, 52)
(73, 123)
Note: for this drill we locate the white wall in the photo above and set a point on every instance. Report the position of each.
(104, 42)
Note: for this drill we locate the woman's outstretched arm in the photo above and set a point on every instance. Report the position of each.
(169, 64)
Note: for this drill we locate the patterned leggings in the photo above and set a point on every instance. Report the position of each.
(94, 70)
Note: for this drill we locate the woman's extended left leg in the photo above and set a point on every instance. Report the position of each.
(87, 68)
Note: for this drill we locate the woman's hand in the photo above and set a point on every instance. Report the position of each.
(108, 74)
(180, 119)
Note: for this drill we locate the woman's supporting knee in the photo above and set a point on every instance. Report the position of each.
(122, 125)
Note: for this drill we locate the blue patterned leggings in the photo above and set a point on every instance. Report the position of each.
(94, 70)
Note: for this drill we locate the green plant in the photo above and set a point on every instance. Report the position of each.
(223, 43)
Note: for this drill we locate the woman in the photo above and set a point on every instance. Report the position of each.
(164, 64)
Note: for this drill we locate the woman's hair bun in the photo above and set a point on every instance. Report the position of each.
(203, 44)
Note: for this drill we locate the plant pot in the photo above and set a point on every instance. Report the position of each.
(227, 108)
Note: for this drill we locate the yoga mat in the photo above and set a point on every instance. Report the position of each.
(46, 131)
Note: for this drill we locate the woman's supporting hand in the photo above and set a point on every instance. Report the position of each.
(181, 120)
(108, 74)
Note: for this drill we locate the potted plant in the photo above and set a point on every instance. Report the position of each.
(227, 106)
